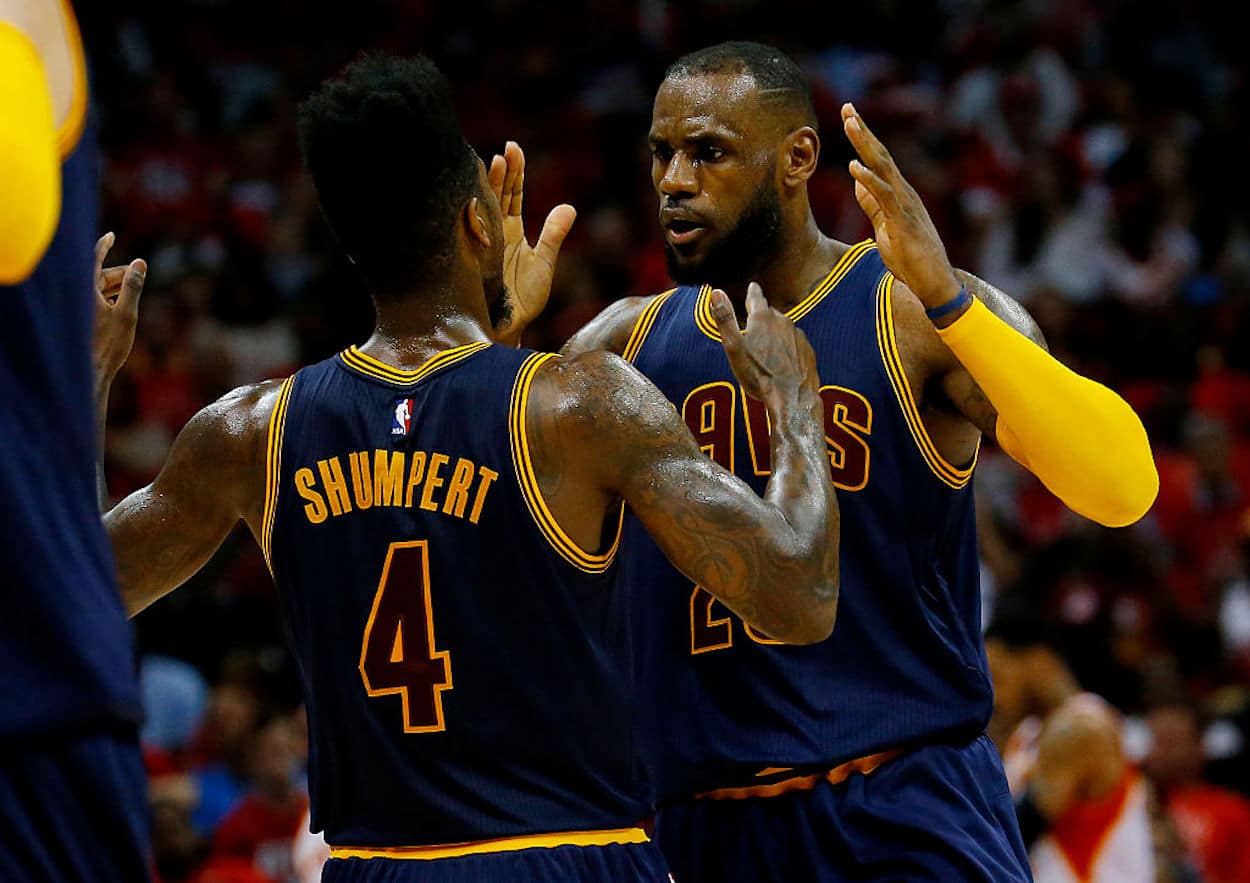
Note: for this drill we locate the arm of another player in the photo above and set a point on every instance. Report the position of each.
(213, 477)
(30, 163)
(117, 291)
(1081, 439)
(773, 561)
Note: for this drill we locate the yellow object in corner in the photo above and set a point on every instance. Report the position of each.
(30, 162)
(1081, 439)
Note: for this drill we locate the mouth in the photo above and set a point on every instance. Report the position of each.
(680, 231)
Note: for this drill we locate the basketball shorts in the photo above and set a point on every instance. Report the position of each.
(608, 863)
(74, 809)
(937, 813)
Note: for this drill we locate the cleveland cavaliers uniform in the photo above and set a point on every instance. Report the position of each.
(73, 794)
(460, 655)
(780, 762)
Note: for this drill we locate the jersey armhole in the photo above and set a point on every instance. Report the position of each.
(273, 468)
(527, 480)
(642, 327)
(70, 131)
(887, 343)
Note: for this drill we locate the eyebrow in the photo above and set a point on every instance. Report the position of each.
(699, 136)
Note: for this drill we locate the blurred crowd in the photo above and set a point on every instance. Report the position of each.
(1083, 156)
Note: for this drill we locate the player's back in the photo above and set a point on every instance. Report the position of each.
(66, 658)
(460, 659)
(904, 666)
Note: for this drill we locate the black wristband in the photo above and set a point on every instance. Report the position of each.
(1032, 823)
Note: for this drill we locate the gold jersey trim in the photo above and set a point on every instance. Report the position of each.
(703, 304)
(371, 367)
(502, 844)
(70, 131)
(273, 468)
(642, 327)
(528, 481)
(887, 343)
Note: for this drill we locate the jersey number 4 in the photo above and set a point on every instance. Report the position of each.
(398, 653)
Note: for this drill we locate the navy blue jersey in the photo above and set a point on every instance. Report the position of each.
(66, 654)
(462, 658)
(905, 663)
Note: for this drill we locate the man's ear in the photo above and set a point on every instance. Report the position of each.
(800, 152)
(475, 223)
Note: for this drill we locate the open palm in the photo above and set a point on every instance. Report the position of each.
(528, 270)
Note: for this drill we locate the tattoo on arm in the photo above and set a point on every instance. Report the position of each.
(1004, 307)
(773, 561)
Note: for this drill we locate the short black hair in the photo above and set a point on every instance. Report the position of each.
(774, 72)
(391, 166)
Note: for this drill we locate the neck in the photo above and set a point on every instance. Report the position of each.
(410, 330)
(802, 261)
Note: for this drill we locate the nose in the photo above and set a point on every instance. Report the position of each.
(679, 177)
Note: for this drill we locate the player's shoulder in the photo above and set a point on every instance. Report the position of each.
(596, 391)
(236, 425)
(615, 325)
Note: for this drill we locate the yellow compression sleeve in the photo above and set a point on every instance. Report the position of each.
(30, 163)
(1081, 439)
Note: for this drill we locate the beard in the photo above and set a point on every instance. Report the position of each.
(498, 303)
(739, 255)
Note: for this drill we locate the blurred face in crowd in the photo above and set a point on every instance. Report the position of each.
(1175, 756)
(713, 165)
(273, 757)
(232, 714)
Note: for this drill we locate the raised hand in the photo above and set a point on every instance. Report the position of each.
(772, 358)
(908, 241)
(528, 270)
(117, 311)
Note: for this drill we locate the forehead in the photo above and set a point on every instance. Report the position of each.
(721, 104)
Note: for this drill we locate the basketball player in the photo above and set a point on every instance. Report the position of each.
(441, 515)
(73, 797)
(1084, 811)
(863, 757)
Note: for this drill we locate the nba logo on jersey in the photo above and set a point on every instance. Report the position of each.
(401, 423)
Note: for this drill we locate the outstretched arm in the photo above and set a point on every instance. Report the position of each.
(1081, 439)
(164, 533)
(214, 475)
(773, 561)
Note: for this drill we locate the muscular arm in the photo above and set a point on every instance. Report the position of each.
(993, 370)
(604, 432)
(957, 384)
(1082, 440)
(610, 330)
(214, 476)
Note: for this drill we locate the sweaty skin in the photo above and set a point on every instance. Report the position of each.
(599, 432)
